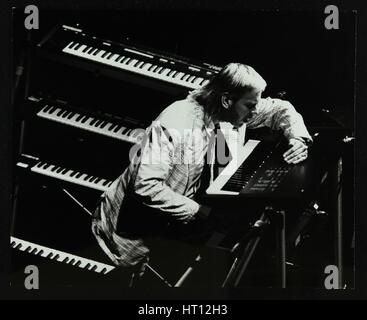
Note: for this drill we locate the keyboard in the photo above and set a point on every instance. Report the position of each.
(125, 59)
(124, 129)
(231, 173)
(60, 256)
(62, 173)
(262, 172)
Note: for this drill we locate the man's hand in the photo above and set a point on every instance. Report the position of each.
(296, 153)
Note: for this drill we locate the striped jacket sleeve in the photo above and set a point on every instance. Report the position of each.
(280, 115)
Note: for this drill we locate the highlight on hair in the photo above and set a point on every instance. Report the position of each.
(235, 79)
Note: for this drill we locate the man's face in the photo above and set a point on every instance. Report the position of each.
(245, 105)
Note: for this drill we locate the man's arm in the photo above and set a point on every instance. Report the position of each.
(150, 184)
(281, 115)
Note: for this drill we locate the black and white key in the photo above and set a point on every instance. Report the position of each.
(216, 188)
(60, 256)
(92, 124)
(68, 175)
(140, 63)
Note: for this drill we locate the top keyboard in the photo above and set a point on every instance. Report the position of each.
(144, 63)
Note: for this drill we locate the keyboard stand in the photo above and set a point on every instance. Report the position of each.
(24, 69)
(245, 248)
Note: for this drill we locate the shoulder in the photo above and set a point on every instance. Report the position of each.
(180, 115)
(269, 103)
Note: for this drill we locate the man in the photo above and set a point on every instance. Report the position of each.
(157, 191)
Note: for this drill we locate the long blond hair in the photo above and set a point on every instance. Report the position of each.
(234, 79)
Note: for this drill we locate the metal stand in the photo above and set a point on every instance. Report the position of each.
(336, 209)
(281, 246)
(240, 265)
(249, 243)
(25, 63)
(187, 273)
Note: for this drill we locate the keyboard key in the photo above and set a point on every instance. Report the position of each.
(171, 73)
(97, 123)
(59, 169)
(63, 114)
(84, 120)
(190, 78)
(104, 123)
(165, 71)
(146, 66)
(79, 117)
(52, 110)
(111, 126)
(71, 114)
(118, 127)
(47, 108)
(126, 60)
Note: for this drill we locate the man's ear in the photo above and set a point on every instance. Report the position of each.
(226, 101)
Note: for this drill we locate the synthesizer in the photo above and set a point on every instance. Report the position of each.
(134, 63)
(60, 173)
(60, 256)
(125, 129)
(260, 171)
